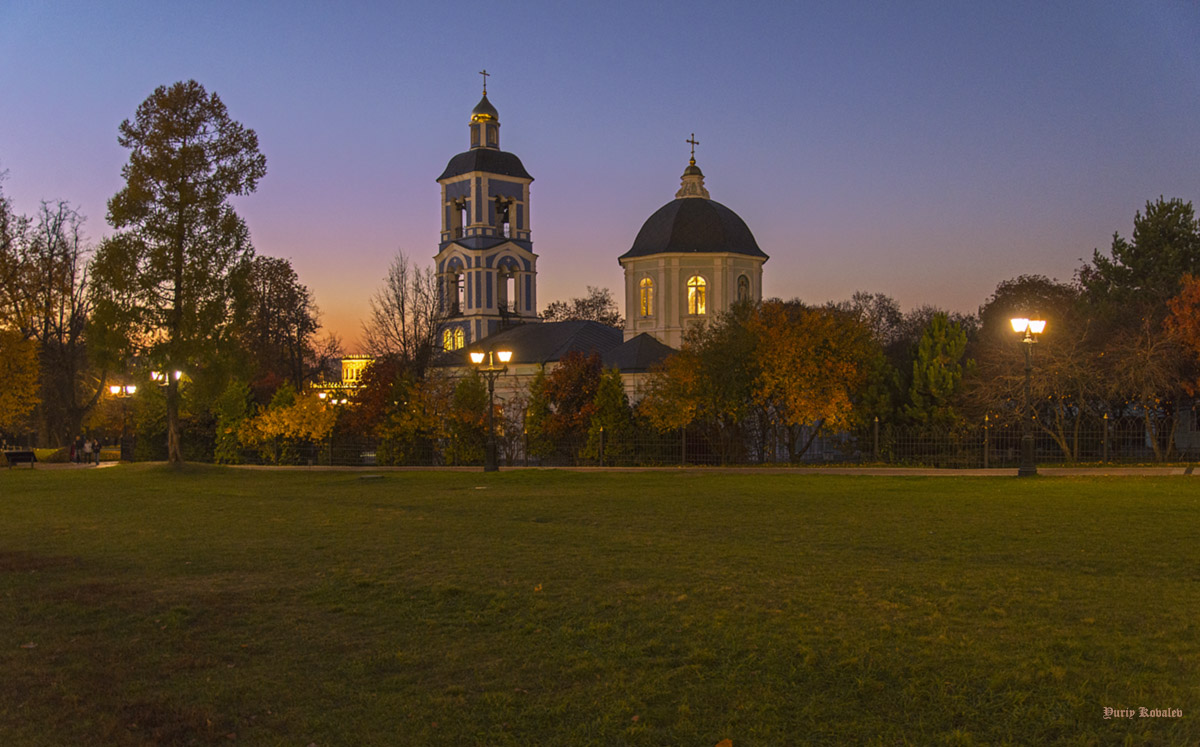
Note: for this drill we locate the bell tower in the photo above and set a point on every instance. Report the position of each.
(486, 267)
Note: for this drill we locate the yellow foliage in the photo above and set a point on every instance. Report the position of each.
(18, 378)
(309, 419)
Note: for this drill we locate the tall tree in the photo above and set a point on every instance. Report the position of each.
(279, 323)
(166, 279)
(1139, 275)
(597, 306)
(405, 316)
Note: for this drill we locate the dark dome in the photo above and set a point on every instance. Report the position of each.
(486, 160)
(694, 225)
(484, 110)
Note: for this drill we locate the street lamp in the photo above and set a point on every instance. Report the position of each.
(1029, 329)
(490, 371)
(162, 379)
(123, 392)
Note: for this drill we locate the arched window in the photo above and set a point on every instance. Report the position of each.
(506, 286)
(697, 295)
(743, 293)
(454, 339)
(460, 293)
(646, 297)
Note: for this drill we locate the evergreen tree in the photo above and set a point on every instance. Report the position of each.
(166, 280)
(613, 417)
(937, 373)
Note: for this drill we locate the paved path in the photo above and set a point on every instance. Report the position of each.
(1101, 471)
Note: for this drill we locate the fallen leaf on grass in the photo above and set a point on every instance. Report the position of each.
(31, 644)
(538, 587)
(725, 743)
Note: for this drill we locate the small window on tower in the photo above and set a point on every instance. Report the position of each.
(697, 295)
(743, 289)
(646, 297)
(491, 136)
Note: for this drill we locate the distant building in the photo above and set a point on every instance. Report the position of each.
(353, 368)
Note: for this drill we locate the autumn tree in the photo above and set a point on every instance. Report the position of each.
(18, 378)
(405, 316)
(420, 422)
(597, 306)
(570, 389)
(289, 422)
(166, 280)
(812, 366)
(1183, 322)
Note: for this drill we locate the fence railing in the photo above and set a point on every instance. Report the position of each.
(963, 448)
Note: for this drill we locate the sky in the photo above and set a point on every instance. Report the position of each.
(925, 150)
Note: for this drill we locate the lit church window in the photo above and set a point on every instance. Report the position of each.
(454, 339)
(696, 295)
(646, 297)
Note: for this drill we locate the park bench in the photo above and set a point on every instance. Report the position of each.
(20, 457)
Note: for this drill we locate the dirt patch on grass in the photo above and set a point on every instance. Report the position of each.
(26, 562)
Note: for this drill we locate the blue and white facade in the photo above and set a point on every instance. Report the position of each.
(485, 262)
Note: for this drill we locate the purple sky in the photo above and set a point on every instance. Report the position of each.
(923, 150)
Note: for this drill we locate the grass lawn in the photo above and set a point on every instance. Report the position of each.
(141, 606)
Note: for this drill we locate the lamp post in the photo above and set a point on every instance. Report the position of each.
(123, 392)
(491, 370)
(1029, 329)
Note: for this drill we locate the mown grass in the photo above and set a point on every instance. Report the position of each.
(559, 608)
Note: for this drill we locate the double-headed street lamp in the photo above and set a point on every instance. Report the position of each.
(490, 371)
(1029, 328)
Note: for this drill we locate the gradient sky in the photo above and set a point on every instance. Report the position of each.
(923, 150)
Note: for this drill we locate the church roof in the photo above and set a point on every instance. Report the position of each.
(551, 341)
(637, 354)
(694, 225)
(486, 160)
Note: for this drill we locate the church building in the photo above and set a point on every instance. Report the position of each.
(692, 259)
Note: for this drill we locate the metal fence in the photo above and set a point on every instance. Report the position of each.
(1121, 441)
